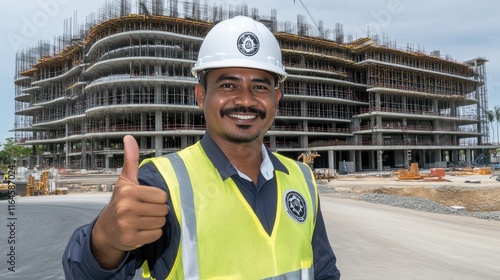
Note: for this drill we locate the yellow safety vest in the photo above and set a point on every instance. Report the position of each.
(222, 238)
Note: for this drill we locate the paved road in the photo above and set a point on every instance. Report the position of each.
(44, 226)
(382, 242)
(371, 241)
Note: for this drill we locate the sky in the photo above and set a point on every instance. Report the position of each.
(461, 29)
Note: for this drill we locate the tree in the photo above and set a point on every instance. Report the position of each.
(11, 152)
(496, 109)
(491, 118)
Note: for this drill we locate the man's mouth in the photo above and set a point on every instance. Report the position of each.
(242, 117)
(243, 113)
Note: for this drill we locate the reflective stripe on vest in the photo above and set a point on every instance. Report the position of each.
(310, 183)
(188, 226)
(303, 274)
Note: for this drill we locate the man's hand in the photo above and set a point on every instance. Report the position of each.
(134, 215)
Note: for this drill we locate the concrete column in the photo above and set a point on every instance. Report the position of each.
(184, 141)
(455, 157)
(404, 102)
(380, 140)
(438, 155)
(158, 121)
(92, 155)
(157, 97)
(359, 162)
(407, 159)
(158, 139)
(331, 159)
(352, 156)
(468, 156)
(272, 143)
(379, 160)
(303, 108)
(304, 142)
(453, 109)
(106, 161)
(84, 154)
(373, 159)
(377, 100)
(158, 145)
(107, 123)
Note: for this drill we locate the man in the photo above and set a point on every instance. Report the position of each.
(226, 207)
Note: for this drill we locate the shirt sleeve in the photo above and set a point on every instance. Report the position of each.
(324, 259)
(79, 262)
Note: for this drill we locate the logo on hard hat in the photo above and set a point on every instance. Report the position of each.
(248, 44)
(295, 206)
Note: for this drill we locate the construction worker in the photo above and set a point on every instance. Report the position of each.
(225, 207)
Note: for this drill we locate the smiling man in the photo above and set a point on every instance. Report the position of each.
(225, 207)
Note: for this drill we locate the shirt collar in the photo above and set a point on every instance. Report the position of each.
(226, 169)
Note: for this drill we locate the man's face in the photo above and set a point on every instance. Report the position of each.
(239, 103)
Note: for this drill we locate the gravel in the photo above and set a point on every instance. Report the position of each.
(415, 203)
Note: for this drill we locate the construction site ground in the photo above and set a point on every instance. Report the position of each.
(479, 193)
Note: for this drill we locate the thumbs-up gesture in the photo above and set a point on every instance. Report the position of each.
(134, 215)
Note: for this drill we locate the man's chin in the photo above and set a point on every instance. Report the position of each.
(241, 138)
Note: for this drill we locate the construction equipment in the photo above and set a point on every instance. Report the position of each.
(411, 174)
(325, 173)
(436, 175)
(38, 188)
(4, 190)
(482, 170)
(308, 158)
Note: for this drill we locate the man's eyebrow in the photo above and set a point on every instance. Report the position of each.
(225, 77)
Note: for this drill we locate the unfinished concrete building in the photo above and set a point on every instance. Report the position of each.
(361, 105)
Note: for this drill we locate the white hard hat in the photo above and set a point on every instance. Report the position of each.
(240, 42)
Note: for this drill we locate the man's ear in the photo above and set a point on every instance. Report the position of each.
(199, 92)
(277, 97)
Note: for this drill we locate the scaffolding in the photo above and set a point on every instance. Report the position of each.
(481, 94)
(78, 96)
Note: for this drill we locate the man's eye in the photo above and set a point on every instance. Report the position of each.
(227, 86)
(259, 87)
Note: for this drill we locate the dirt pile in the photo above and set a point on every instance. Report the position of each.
(477, 193)
(482, 200)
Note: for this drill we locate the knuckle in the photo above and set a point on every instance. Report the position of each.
(123, 210)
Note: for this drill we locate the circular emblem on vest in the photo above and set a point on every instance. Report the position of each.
(248, 44)
(295, 206)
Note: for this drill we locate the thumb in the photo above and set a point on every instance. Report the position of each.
(130, 169)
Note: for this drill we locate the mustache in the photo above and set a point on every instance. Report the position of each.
(241, 109)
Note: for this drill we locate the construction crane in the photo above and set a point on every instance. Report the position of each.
(309, 14)
(144, 8)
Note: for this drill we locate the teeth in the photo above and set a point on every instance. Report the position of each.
(242, 117)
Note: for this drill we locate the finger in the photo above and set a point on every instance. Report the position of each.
(151, 210)
(131, 160)
(150, 223)
(148, 236)
(152, 195)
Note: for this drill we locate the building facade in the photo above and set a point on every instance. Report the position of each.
(366, 104)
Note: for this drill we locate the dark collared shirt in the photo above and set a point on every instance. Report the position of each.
(79, 261)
